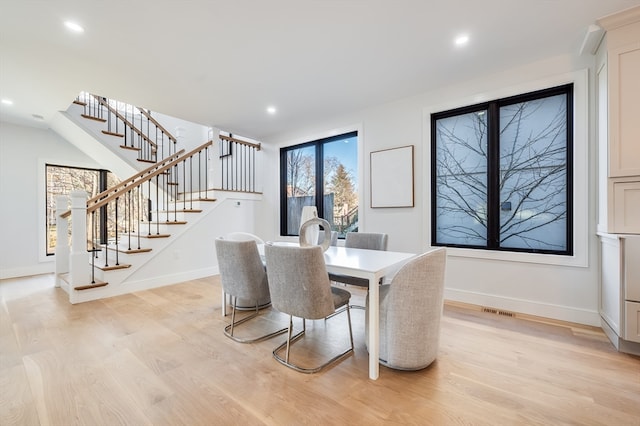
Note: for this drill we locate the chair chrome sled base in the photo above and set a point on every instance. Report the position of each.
(292, 339)
(228, 330)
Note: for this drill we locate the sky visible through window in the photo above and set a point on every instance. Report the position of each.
(347, 152)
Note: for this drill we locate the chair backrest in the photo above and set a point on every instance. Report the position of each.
(334, 238)
(414, 307)
(242, 273)
(298, 281)
(366, 240)
(243, 236)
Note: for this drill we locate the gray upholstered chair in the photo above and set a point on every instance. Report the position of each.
(300, 287)
(410, 313)
(361, 240)
(334, 238)
(243, 277)
(244, 304)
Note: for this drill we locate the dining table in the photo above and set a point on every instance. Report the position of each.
(368, 264)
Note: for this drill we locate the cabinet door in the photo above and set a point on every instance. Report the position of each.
(632, 322)
(624, 111)
(626, 207)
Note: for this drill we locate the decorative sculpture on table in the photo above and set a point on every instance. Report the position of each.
(309, 229)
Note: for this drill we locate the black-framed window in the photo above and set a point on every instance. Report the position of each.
(61, 180)
(501, 174)
(326, 166)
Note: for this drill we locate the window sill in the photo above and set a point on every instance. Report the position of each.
(577, 260)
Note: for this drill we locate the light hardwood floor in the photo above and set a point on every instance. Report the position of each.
(159, 357)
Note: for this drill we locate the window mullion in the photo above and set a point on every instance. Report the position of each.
(493, 176)
(320, 179)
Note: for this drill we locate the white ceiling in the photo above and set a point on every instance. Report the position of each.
(221, 63)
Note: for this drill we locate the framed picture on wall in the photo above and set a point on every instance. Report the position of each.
(392, 177)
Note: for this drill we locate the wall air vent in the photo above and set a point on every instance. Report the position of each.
(498, 312)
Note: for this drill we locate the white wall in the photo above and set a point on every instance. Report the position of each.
(23, 154)
(567, 289)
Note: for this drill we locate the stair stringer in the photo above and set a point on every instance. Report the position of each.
(86, 140)
(87, 136)
(188, 254)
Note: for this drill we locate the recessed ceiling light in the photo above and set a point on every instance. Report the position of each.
(72, 26)
(271, 110)
(461, 40)
(7, 102)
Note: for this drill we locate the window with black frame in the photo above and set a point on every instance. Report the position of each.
(501, 174)
(61, 180)
(321, 173)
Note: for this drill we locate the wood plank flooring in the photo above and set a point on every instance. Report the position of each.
(159, 357)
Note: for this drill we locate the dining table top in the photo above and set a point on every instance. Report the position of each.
(355, 261)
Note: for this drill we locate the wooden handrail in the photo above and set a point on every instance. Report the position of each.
(133, 178)
(146, 178)
(231, 139)
(126, 182)
(158, 125)
(124, 120)
(138, 179)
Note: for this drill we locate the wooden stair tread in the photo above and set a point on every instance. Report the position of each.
(106, 132)
(191, 210)
(130, 251)
(132, 148)
(169, 222)
(155, 235)
(114, 267)
(146, 161)
(93, 285)
(80, 103)
(90, 117)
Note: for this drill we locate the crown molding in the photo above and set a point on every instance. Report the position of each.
(620, 19)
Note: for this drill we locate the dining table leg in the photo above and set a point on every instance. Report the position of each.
(374, 326)
(224, 303)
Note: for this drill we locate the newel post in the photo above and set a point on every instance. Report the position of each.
(62, 239)
(80, 269)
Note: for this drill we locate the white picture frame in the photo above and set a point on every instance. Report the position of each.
(391, 182)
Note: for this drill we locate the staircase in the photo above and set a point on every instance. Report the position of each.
(166, 214)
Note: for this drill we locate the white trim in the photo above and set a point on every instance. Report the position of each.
(47, 267)
(144, 284)
(581, 146)
(560, 312)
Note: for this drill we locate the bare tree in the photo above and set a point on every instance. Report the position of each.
(532, 181)
(300, 173)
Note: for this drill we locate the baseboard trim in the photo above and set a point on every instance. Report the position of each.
(525, 307)
(27, 271)
(127, 287)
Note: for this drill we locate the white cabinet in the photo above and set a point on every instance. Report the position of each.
(620, 290)
(624, 108)
(618, 71)
(632, 321)
(626, 205)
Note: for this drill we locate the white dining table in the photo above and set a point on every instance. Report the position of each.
(371, 265)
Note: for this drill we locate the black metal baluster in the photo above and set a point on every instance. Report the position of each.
(149, 218)
(206, 171)
(175, 197)
(129, 211)
(157, 204)
(200, 175)
(116, 225)
(106, 242)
